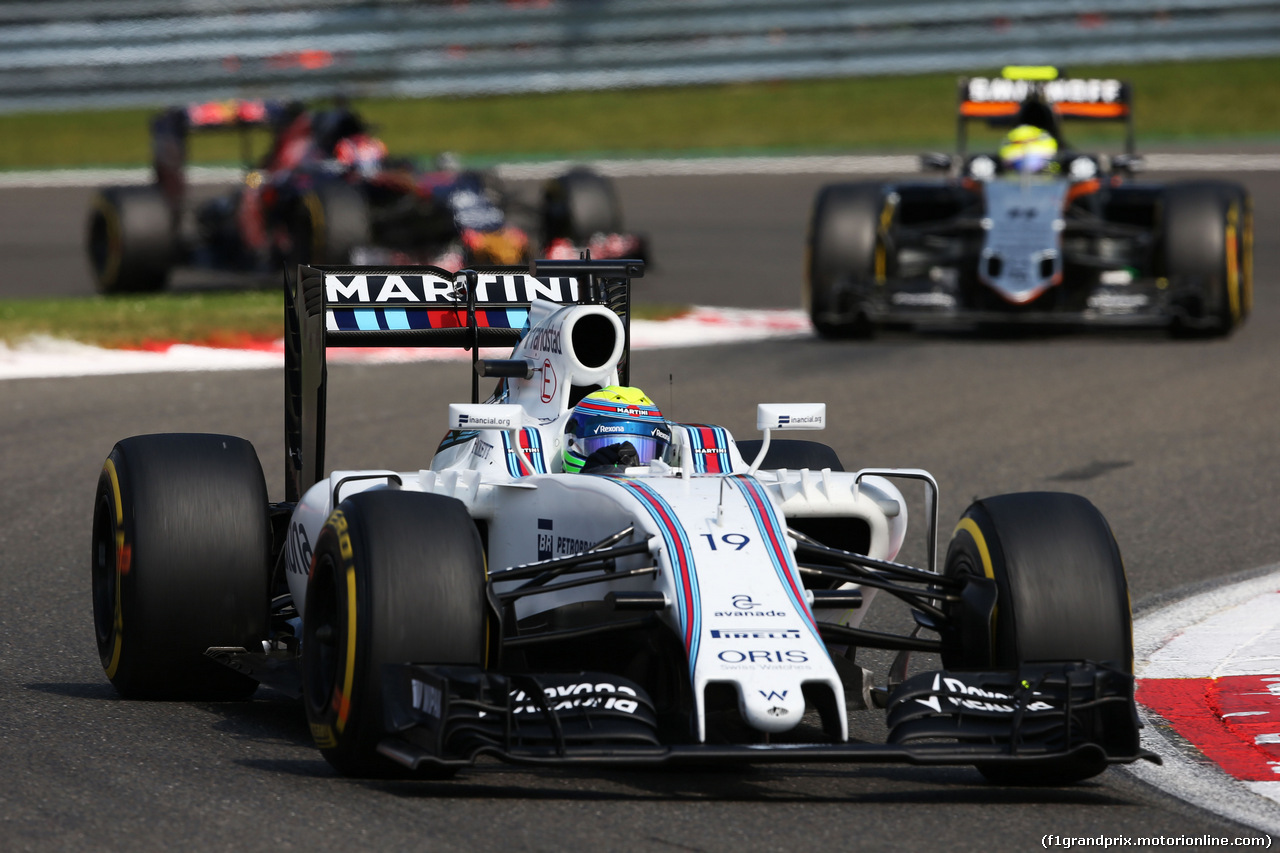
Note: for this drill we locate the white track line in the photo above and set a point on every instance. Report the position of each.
(1226, 630)
(652, 167)
(50, 357)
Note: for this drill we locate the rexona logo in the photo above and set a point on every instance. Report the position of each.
(747, 634)
(606, 696)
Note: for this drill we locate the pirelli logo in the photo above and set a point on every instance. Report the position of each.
(435, 290)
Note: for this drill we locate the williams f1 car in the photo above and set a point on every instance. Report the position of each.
(688, 598)
(327, 192)
(1057, 238)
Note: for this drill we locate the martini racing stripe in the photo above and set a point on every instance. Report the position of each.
(710, 448)
(531, 442)
(772, 532)
(647, 414)
(676, 541)
(398, 319)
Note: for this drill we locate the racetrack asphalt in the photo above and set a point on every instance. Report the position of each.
(1174, 440)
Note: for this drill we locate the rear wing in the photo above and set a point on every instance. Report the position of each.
(170, 129)
(349, 306)
(1039, 96)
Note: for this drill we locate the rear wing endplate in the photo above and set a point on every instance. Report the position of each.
(349, 306)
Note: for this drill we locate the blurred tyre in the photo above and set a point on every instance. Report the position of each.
(130, 239)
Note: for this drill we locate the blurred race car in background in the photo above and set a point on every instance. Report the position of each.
(327, 192)
(1038, 233)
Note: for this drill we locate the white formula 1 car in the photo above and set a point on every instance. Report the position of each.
(701, 602)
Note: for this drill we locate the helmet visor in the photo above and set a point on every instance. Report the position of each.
(647, 448)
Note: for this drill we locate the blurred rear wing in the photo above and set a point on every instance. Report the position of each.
(350, 306)
(1003, 101)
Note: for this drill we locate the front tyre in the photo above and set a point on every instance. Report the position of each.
(841, 269)
(1061, 596)
(181, 542)
(398, 577)
(1208, 255)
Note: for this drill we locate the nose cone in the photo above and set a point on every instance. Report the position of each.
(776, 709)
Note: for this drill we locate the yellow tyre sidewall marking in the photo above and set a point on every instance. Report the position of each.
(342, 696)
(111, 264)
(1233, 262)
(968, 525)
(118, 618)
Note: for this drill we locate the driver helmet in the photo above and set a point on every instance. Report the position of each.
(614, 428)
(361, 152)
(1028, 149)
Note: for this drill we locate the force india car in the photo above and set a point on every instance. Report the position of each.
(1076, 244)
(706, 607)
(327, 192)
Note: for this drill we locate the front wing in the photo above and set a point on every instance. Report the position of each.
(438, 716)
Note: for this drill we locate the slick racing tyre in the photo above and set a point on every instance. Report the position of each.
(579, 204)
(1208, 255)
(841, 258)
(329, 221)
(130, 239)
(181, 542)
(1061, 596)
(792, 454)
(398, 577)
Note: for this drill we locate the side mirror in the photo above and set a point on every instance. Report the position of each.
(771, 416)
(934, 162)
(1128, 164)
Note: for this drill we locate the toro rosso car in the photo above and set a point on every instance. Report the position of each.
(1037, 233)
(572, 578)
(327, 192)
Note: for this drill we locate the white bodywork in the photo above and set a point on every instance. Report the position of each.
(717, 533)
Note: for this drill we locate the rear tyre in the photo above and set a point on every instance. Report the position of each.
(329, 221)
(578, 205)
(1061, 595)
(399, 577)
(1208, 254)
(130, 239)
(841, 259)
(792, 454)
(180, 563)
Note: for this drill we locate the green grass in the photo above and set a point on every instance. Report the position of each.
(1230, 100)
(231, 318)
(128, 321)
(1174, 102)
